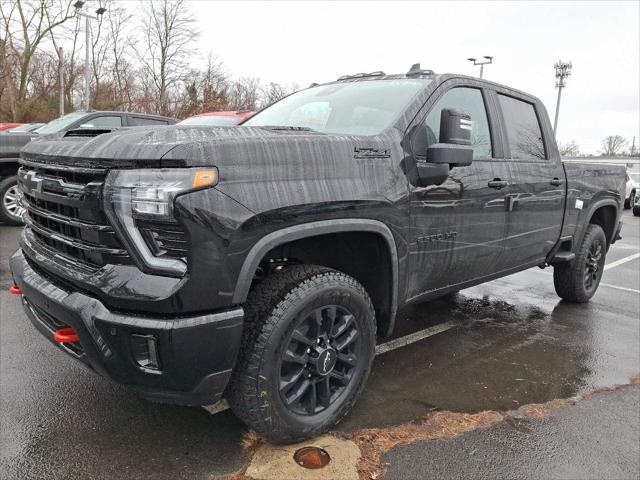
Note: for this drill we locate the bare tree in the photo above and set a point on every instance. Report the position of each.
(244, 93)
(613, 145)
(570, 149)
(26, 23)
(169, 34)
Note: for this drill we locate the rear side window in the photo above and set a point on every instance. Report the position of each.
(470, 100)
(523, 130)
(108, 121)
(141, 121)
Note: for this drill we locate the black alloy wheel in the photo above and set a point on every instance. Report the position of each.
(593, 265)
(318, 362)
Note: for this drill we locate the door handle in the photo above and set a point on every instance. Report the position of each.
(556, 182)
(497, 183)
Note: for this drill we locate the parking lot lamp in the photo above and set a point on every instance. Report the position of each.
(488, 59)
(100, 11)
(563, 70)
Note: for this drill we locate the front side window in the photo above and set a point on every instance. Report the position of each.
(109, 121)
(351, 108)
(470, 100)
(523, 130)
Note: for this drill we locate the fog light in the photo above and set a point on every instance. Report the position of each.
(145, 351)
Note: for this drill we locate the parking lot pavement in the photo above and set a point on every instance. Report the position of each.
(500, 346)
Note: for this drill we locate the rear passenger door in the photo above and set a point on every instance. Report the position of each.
(537, 183)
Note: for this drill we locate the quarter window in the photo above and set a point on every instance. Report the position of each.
(523, 130)
(470, 100)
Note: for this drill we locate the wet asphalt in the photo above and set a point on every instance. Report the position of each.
(512, 342)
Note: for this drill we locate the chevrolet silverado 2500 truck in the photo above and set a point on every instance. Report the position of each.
(259, 263)
(12, 142)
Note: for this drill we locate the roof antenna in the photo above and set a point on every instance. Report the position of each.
(415, 71)
(415, 68)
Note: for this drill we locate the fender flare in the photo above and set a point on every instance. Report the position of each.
(604, 202)
(313, 229)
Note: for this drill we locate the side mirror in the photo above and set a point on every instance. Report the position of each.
(454, 144)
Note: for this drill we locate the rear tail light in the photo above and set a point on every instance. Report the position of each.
(15, 290)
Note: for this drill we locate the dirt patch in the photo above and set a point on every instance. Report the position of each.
(375, 442)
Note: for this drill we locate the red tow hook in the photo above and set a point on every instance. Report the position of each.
(65, 335)
(15, 289)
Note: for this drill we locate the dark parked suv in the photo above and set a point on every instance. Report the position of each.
(12, 142)
(259, 263)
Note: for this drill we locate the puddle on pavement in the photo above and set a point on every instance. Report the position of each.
(512, 345)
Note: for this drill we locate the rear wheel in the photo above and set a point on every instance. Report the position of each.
(636, 211)
(10, 209)
(307, 350)
(578, 280)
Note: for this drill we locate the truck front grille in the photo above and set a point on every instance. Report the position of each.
(65, 213)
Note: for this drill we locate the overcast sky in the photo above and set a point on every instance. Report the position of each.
(308, 42)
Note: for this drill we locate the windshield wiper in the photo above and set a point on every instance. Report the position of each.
(288, 127)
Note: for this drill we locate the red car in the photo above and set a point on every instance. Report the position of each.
(7, 126)
(217, 119)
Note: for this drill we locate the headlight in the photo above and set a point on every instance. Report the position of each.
(149, 195)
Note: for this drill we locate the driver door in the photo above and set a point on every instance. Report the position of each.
(458, 227)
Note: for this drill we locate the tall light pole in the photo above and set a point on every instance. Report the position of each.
(100, 11)
(563, 70)
(487, 61)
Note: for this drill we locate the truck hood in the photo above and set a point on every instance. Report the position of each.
(173, 146)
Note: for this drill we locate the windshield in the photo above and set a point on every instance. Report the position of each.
(211, 121)
(60, 124)
(353, 108)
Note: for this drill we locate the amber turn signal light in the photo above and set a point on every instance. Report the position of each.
(205, 178)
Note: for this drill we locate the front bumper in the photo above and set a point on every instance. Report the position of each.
(196, 354)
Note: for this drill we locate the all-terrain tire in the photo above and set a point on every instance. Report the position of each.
(8, 206)
(274, 309)
(569, 279)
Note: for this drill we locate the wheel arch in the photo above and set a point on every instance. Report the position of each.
(603, 213)
(318, 229)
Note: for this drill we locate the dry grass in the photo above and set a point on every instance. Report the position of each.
(251, 441)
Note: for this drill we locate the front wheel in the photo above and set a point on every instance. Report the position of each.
(10, 209)
(307, 350)
(578, 280)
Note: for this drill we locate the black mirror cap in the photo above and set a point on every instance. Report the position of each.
(455, 126)
(454, 155)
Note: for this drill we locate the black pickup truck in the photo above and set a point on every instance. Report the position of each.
(12, 142)
(260, 263)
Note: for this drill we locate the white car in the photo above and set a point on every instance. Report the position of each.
(633, 185)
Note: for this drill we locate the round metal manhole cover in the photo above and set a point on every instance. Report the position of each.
(312, 457)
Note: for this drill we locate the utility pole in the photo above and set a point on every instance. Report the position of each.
(487, 61)
(100, 11)
(563, 70)
(61, 80)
